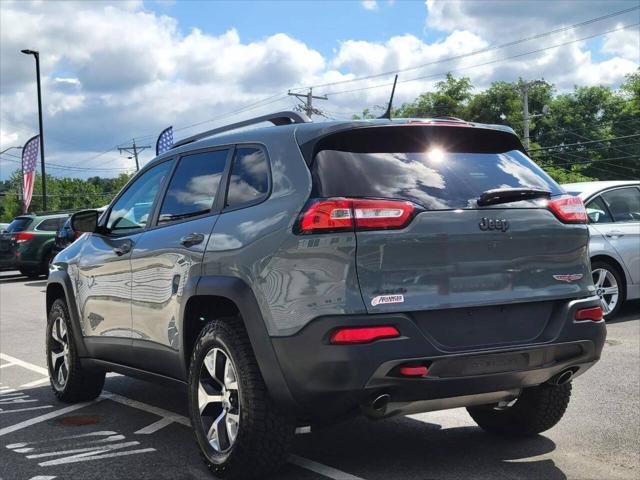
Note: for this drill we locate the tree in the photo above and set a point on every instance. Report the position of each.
(450, 98)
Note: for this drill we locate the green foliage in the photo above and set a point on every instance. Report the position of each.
(582, 115)
(450, 98)
(62, 193)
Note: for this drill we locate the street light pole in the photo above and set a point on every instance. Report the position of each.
(36, 54)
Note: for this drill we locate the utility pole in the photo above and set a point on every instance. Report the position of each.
(524, 92)
(133, 150)
(308, 98)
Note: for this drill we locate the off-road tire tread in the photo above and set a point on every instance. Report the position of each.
(538, 409)
(266, 431)
(82, 384)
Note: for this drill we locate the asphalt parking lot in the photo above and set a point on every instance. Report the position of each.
(138, 430)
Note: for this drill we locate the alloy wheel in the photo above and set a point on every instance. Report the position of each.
(59, 352)
(219, 400)
(606, 288)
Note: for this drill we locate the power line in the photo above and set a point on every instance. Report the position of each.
(475, 52)
(583, 143)
(307, 101)
(440, 74)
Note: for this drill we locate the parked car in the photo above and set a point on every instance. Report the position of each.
(614, 224)
(303, 273)
(66, 235)
(27, 244)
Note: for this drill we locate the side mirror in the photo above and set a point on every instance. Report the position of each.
(85, 221)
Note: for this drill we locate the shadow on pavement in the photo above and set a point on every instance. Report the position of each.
(629, 311)
(406, 448)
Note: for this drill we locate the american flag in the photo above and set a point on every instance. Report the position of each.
(165, 140)
(29, 157)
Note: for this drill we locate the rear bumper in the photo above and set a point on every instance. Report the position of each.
(329, 381)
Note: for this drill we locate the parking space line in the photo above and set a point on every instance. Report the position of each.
(35, 383)
(168, 417)
(45, 417)
(96, 457)
(25, 409)
(22, 363)
(155, 426)
(42, 477)
(321, 469)
(161, 412)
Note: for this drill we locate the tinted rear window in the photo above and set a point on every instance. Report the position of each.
(50, 224)
(19, 224)
(436, 175)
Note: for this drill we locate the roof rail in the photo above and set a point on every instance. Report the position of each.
(278, 118)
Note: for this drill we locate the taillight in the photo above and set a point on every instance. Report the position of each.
(23, 236)
(569, 209)
(594, 314)
(353, 335)
(344, 214)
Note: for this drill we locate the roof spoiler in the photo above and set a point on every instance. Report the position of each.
(278, 118)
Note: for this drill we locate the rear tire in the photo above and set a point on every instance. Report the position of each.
(70, 382)
(536, 410)
(609, 308)
(257, 440)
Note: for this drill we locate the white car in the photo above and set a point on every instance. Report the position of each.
(613, 208)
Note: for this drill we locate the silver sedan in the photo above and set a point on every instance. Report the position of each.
(614, 223)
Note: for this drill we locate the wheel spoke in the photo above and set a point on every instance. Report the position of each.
(602, 274)
(205, 399)
(230, 379)
(233, 421)
(605, 305)
(217, 434)
(611, 290)
(55, 356)
(54, 332)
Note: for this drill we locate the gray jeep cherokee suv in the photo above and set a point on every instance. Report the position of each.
(298, 274)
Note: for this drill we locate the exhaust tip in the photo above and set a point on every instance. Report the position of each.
(379, 404)
(564, 377)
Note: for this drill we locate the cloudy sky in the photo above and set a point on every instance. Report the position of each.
(116, 70)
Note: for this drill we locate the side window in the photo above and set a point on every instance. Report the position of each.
(249, 180)
(598, 211)
(624, 204)
(194, 186)
(49, 225)
(131, 211)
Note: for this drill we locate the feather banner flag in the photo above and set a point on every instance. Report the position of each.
(29, 157)
(165, 140)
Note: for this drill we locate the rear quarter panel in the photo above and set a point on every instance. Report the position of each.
(294, 278)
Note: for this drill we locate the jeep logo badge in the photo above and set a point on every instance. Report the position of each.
(490, 224)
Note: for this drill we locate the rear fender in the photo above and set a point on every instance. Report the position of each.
(237, 291)
(60, 279)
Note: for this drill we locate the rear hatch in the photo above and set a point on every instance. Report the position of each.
(8, 238)
(440, 248)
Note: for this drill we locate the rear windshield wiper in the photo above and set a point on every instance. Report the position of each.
(506, 195)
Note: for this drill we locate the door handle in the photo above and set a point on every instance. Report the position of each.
(123, 248)
(614, 234)
(192, 239)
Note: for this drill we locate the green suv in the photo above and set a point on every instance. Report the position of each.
(27, 244)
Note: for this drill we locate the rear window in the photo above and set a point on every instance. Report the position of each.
(19, 224)
(436, 173)
(50, 224)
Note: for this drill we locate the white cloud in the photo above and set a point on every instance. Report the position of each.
(112, 71)
(369, 4)
(625, 43)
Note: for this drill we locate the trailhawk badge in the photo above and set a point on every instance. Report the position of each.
(384, 299)
(568, 278)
